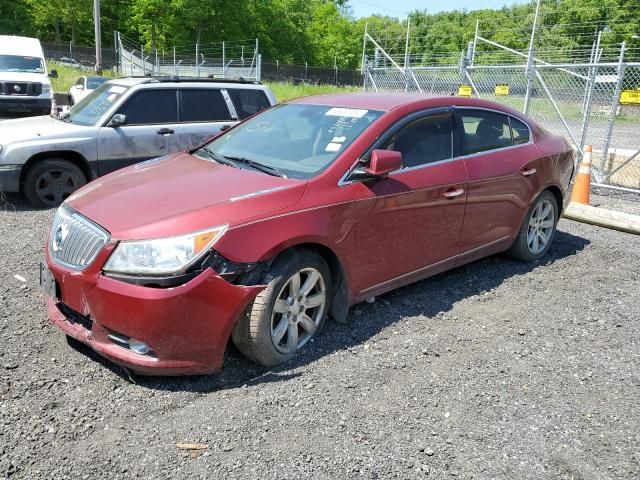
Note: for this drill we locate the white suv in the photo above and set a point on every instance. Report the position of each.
(123, 121)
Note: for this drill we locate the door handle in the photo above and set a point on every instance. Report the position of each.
(453, 193)
(165, 131)
(529, 172)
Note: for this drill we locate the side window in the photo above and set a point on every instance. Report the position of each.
(248, 102)
(203, 105)
(149, 107)
(424, 141)
(519, 131)
(484, 130)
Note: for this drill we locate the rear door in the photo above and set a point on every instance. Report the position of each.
(203, 113)
(503, 168)
(151, 130)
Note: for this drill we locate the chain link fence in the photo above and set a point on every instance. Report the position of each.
(595, 103)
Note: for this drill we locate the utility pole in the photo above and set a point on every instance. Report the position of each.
(96, 21)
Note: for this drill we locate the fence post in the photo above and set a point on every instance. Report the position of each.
(175, 67)
(530, 62)
(616, 104)
(335, 69)
(277, 70)
(306, 68)
(144, 69)
(224, 62)
(197, 60)
(259, 68)
(475, 43)
(364, 47)
(406, 56)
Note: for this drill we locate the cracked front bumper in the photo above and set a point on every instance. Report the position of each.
(187, 326)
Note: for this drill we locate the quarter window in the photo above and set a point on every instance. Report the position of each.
(248, 101)
(427, 140)
(150, 107)
(519, 131)
(484, 130)
(203, 105)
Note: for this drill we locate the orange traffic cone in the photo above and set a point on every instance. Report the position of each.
(582, 186)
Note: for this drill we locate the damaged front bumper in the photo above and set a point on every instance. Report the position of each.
(186, 327)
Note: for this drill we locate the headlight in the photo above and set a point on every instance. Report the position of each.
(46, 88)
(162, 255)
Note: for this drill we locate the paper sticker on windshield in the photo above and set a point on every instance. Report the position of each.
(346, 112)
(332, 147)
(117, 89)
(339, 139)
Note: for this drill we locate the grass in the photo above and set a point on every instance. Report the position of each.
(283, 91)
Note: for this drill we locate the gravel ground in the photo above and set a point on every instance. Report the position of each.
(494, 370)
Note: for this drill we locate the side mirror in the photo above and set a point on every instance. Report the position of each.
(53, 74)
(117, 120)
(381, 164)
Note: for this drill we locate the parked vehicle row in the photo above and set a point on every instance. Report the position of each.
(119, 123)
(293, 214)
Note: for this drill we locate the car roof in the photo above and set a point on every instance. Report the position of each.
(387, 101)
(15, 45)
(164, 82)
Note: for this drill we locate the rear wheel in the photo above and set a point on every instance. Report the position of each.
(48, 183)
(289, 312)
(538, 229)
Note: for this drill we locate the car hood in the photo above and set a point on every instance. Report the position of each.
(25, 77)
(179, 194)
(37, 129)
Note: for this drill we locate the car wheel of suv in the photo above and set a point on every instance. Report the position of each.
(48, 183)
(538, 229)
(289, 312)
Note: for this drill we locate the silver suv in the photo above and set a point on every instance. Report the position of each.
(124, 121)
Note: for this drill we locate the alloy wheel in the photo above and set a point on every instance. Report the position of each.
(54, 186)
(298, 310)
(540, 228)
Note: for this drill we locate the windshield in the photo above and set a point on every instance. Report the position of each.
(16, 63)
(91, 108)
(297, 140)
(95, 82)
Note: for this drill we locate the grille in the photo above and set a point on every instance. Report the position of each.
(75, 317)
(74, 240)
(23, 89)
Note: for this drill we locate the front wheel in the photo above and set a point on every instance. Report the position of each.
(538, 229)
(49, 182)
(289, 312)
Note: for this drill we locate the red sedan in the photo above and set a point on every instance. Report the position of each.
(293, 215)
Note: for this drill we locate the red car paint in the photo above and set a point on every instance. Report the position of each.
(384, 234)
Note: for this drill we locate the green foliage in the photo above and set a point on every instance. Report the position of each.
(320, 31)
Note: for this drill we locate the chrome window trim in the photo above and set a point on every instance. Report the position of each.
(343, 180)
(230, 105)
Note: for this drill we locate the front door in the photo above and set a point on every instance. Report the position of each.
(151, 130)
(417, 213)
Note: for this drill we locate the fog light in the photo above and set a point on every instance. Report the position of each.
(138, 346)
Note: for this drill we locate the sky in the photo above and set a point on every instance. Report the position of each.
(399, 8)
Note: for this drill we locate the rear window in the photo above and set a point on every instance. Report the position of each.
(248, 102)
(519, 131)
(203, 105)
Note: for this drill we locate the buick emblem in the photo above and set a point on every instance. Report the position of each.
(59, 236)
(16, 88)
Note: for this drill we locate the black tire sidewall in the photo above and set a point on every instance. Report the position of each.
(41, 166)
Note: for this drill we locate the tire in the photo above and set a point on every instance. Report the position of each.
(255, 334)
(529, 244)
(49, 182)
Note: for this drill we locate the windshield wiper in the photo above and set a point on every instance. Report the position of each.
(268, 169)
(216, 158)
